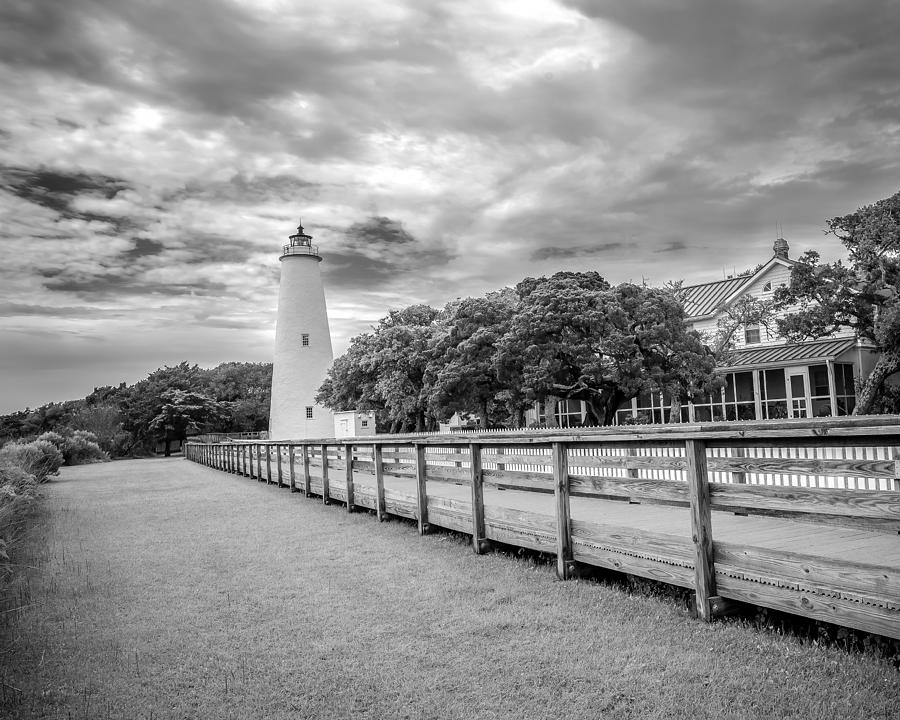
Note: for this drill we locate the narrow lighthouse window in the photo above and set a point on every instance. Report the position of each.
(309, 412)
(304, 339)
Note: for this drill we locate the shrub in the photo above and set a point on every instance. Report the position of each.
(39, 458)
(79, 448)
(83, 448)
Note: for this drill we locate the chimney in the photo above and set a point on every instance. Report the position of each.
(781, 248)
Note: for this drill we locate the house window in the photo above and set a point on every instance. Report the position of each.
(767, 287)
(844, 388)
(364, 423)
(773, 390)
(570, 413)
(304, 339)
(309, 412)
(740, 401)
(820, 396)
(751, 334)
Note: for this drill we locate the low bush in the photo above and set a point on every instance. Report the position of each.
(79, 448)
(39, 458)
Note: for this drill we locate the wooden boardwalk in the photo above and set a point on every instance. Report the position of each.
(641, 502)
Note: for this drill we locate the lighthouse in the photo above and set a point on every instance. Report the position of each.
(303, 352)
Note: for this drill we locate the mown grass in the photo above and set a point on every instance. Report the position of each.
(162, 589)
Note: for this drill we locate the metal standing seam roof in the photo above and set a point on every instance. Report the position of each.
(704, 299)
(820, 350)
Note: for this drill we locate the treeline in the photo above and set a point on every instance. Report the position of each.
(166, 406)
(570, 336)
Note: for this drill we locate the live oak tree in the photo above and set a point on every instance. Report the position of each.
(824, 298)
(385, 371)
(465, 373)
(581, 339)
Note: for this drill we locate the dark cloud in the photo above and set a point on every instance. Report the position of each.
(57, 190)
(143, 247)
(673, 246)
(378, 231)
(377, 252)
(546, 253)
(95, 286)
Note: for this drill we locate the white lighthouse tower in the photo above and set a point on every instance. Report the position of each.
(303, 352)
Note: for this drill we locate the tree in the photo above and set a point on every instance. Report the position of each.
(245, 388)
(464, 369)
(385, 371)
(144, 400)
(823, 299)
(185, 411)
(581, 339)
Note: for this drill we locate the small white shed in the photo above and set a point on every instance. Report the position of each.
(353, 423)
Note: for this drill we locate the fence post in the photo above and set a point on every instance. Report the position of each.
(478, 541)
(325, 489)
(701, 526)
(259, 463)
(291, 468)
(421, 496)
(348, 458)
(379, 482)
(268, 464)
(306, 478)
(564, 555)
(244, 460)
(278, 465)
(231, 449)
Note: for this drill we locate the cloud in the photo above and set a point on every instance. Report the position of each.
(548, 253)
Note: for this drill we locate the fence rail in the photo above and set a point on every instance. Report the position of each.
(800, 516)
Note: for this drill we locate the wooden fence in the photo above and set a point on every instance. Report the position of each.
(800, 516)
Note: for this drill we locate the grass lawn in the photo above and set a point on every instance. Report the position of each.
(163, 589)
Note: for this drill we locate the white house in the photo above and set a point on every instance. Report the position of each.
(766, 377)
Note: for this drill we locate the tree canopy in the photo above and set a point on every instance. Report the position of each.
(862, 294)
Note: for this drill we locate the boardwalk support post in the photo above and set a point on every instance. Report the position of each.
(326, 490)
(701, 526)
(348, 461)
(291, 468)
(304, 457)
(278, 465)
(565, 563)
(479, 543)
(421, 496)
(379, 482)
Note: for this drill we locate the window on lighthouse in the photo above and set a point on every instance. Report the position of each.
(304, 339)
(309, 412)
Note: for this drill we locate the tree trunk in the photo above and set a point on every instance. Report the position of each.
(550, 411)
(167, 452)
(888, 363)
(420, 421)
(675, 412)
(484, 414)
(520, 416)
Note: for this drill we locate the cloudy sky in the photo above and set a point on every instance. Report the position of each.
(156, 154)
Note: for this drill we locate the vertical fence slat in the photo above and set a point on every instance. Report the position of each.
(278, 465)
(564, 558)
(421, 496)
(348, 461)
(379, 482)
(478, 539)
(306, 478)
(291, 468)
(701, 526)
(268, 464)
(325, 489)
(259, 462)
